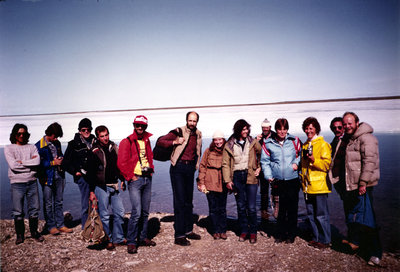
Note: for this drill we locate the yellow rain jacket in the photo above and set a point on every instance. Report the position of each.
(313, 175)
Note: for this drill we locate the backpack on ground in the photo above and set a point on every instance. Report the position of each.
(93, 230)
(161, 153)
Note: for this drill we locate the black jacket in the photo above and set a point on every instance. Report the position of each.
(76, 157)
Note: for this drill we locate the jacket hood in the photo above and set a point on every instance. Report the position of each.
(362, 129)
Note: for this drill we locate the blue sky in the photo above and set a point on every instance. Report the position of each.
(66, 56)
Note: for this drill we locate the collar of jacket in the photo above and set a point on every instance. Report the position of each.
(317, 139)
(275, 141)
(232, 139)
(43, 142)
(80, 139)
(134, 136)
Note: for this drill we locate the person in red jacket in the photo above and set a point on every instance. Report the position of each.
(135, 162)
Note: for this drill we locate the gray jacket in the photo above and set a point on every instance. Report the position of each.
(362, 159)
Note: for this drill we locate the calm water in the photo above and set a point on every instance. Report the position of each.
(386, 194)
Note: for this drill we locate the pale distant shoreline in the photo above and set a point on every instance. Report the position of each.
(394, 97)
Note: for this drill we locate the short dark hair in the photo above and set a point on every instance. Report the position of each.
(281, 122)
(353, 114)
(14, 132)
(101, 129)
(334, 120)
(187, 115)
(55, 129)
(313, 121)
(238, 127)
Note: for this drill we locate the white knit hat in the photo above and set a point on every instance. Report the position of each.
(265, 123)
(218, 134)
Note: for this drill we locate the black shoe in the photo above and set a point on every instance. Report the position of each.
(193, 236)
(132, 249)
(289, 241)
(20, 239)
(110, 246)
(182, 241)
(278, 240)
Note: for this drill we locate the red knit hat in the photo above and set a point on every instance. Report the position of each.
(141, 119)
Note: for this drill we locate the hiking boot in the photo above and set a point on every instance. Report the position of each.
(65, 229)
(33, 226)
(20, 230)
(193, 236)
(242, 237)
(110, 246)
(253, 238)
(223, 236)
(54, 231)
(147, 242)
(132, 249)
(182, 241)
(216, 236)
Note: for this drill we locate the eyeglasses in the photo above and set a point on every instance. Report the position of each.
(140, 125)
(338, 127)
(86, 130)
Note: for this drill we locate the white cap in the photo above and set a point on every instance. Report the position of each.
(218, 134)
(265, 123)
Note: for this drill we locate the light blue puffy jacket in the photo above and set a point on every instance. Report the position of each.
(277, 160)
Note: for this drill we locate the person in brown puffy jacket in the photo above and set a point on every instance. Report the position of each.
(210, 183)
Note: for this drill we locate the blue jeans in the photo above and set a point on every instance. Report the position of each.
(246, 195)
(84, 189)
(318, 216)
(140, 195)
(18, 193)
(217, 210)
(182, 180)
(53, 203)
(106, 197)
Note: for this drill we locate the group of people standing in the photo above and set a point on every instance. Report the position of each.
(238, 165)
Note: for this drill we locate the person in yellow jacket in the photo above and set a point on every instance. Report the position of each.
(315, 164)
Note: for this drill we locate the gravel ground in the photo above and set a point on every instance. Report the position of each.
(67, 252)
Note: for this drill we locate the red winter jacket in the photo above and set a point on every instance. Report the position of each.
(128, 155)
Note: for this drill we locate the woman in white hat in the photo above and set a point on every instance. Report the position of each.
(210, 183)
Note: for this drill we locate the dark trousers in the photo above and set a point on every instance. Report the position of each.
(217, 210)
(288, 206)
(182, 180)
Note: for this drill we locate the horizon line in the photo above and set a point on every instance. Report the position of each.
(214, 106)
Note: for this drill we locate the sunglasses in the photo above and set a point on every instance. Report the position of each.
(140, 125)
(86, 130)
(19, 134)
(338, 127)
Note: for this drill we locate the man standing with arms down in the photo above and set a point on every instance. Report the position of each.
(135, 161)
(264, 184)
(362, 174)
(76, 162)
(185, 159)
(104, 186)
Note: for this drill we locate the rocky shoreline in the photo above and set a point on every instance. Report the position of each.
(67, 252)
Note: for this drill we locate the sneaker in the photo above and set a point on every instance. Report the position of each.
(65, 229)
(54, 231)
(216, 236)
(193, 236)
(374, 261)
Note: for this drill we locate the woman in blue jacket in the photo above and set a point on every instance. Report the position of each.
(280, 160)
